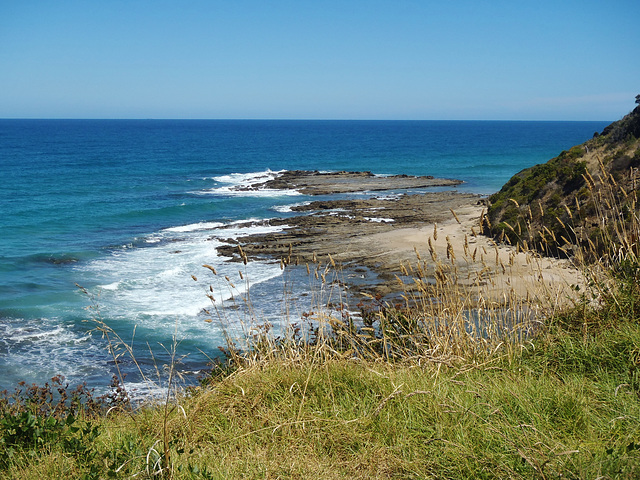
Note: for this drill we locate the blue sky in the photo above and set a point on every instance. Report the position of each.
(396, 59)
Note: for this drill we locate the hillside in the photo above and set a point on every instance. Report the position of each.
(549, 207)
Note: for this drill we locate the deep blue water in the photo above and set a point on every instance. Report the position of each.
(130, 209)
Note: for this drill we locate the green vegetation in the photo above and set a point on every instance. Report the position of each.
(546, 191)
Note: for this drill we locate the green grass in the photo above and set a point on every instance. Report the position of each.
(568, 406)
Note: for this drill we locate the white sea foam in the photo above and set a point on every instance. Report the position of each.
(240, 191)
(244, 185)
(252, 226)
(150, 289)
(154, 285)
(289, 207)
(111, 286)
(68, 351)
(379, 220)
(339, 212)
(147, 391)
(195, 227)
(248, 178)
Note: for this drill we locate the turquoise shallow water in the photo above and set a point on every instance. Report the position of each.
(131, 209)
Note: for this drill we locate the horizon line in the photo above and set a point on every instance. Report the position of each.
(299, 119)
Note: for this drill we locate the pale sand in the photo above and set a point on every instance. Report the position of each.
(524, 274)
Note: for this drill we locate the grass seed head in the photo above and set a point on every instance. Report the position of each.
(455, 216)
(210, 268)
(568, 212)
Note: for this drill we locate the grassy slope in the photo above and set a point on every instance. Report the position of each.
(568, 405)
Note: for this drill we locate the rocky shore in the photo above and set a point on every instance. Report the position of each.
(324, 183)
(374, 235)
(340, 228)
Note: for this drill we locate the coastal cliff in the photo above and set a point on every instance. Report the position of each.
(552, 207)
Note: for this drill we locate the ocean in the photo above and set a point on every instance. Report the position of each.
(131, 209)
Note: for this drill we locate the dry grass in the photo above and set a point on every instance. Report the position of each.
(446, 311)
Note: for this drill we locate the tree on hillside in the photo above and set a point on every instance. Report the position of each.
(638, 99)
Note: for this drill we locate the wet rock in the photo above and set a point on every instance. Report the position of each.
(325, 183)
(332, 226)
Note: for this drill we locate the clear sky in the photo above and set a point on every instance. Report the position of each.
(342, 59)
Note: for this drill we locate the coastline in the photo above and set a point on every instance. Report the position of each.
(378, 236)
(135, 232)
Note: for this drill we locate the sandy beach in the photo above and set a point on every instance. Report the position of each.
(501, 268)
